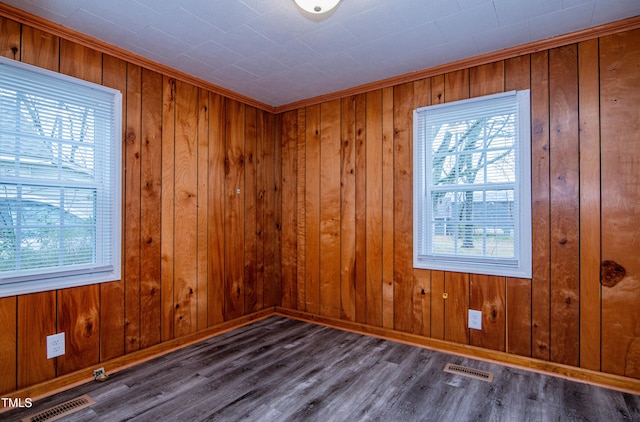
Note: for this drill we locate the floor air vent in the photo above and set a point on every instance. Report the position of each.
(60, 410)
(469, 372)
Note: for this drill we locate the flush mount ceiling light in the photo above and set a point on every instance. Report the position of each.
(317, 6)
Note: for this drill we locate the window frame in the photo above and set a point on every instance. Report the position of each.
(16, 282)
(521, 264)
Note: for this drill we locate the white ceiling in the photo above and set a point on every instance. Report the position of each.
(272, 52)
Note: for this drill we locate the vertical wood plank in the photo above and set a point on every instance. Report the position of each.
(277, 198)
(132, 207)
(361, 209)
(10, 38)
(518, 314)
(39, 48)
(421, 279)
(487, 294)
(374, 205)
(167, 213)
(77, 308)
(387, 211)
(8, 343)
(78, 318)
(234, 210)
(299, 298)
(312, 209)
(37, 319)
(216, 195)
(437, 305)
(348, 210)
(540, 207)
(202, 210)
(620, 201)
(112, 301)
(270, 217)
(456, 307)
(261, 153)
(486, 79)
(330, 209)
(250, 212)
(590, 241)
(456, 85)
(565, 201)
(403, 207)
(289, 215)
(518, 291)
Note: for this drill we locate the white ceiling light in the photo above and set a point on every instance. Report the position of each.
(317, 6)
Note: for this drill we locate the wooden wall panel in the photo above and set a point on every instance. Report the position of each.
(348, 210)
(202, 211)
(216, 195)
(374, 206)
(299, 297)
(183, 149)
(456, 307)
(9, 38)
(8, 343)
(590, 318)
(78, 308)
(565, 204)
(250, 211)
(234, 210)
(185, 208)
(312, 209)
(518, 291)
(132, 207)
(36, 319)
(387, 211)
(487, 294)
(403, 207)
(620, 202)
(540, 207)
(290, 287)
(167, 220)
(361, 210)
(112, 295)
(329, 300)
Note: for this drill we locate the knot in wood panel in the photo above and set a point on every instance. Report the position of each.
(611, 273)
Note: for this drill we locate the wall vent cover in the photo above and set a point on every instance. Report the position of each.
(469, 372)
(61, 410)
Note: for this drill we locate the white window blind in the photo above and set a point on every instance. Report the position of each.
(60, 177)
(472, 185)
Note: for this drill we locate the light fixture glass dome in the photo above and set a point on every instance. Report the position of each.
(317, 6)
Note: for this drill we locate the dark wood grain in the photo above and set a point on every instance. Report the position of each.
(287, 370)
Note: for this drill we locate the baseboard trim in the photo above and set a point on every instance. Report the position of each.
(83, 376)
(587, 376)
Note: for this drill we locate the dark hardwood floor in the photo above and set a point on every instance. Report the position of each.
(280, 369)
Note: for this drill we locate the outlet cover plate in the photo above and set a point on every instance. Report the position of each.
(55, 345)
(475, 319)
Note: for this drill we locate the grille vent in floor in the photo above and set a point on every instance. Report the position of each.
(60, 410)
(469, 372)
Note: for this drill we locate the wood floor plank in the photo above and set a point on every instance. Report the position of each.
(281, 369)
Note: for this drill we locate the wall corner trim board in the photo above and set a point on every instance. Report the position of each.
(85, 375)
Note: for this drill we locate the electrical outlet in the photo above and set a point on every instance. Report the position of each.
(475, 319)
(55, 345)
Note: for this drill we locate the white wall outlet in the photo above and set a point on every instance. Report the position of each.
(475, 319)
(55, 345)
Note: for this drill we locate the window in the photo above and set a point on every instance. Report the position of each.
(60, 180)
(472, 186)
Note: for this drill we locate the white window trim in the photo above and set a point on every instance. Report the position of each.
(28, 283)
(520, 267)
